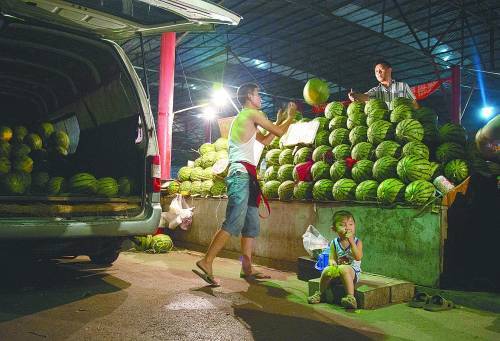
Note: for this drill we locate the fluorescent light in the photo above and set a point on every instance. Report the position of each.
(209, 113)
(487, 112)
(220, 97)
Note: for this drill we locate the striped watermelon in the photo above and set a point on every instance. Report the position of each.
(173, 187)
(56, 185)
(333, 109)
(34, 141)
(321, 138)
(322, 190)
(275, 143)
(196, 174)
(367, 190)
(302, 155)
(5, 133)
(286, 157)
(15, 183)
(338, 136)
(19, 149)
(380, 131)
(40, 180)
(338, 122)
(401, 112)
(362, 151)
(342, 151)
(196, 187)
(456, 171)
(5, 148)
(411, 168)
(126, 186)
(303, 190)
(358, 134)
(58, 139)
(339, 170)
(419, 192)
(425, 116)
(198, 162)
(356, 119)
(184, 173)
(45, 129)
(401, 101)
(319, 153)
(388, 148)
(451, 132)
(362, 170)
(409, 130)
(271, 173)
(270, 189)
(83, 183)
(355, 107)
(107, 187)
(207, 174)
(221, 144)
(344, 189)
(385, 168)
(285, 190)
(431, 134)
(374, 104)
(19, 133)
(320, 170)
(219, 188)
(416, 148)
(323, 123)
(185, 188)
(377, 115)
(273, 157)
(390, 191)
(436, 169)
(5, 165)
(23, 164)
(285, 172)
(449, 151)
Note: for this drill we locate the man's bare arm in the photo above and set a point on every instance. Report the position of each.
(277, 130)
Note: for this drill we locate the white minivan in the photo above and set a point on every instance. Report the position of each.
(79, 165)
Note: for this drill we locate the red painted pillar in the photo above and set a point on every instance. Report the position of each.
(456, 107)
(166, 101)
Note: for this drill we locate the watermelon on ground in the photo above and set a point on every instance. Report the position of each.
(390, 191)
(161, 243)
(322, 190)
(411, 168)
(456, 171)
(419, 192)
(285, 190)
(344, 189)
(367, 190)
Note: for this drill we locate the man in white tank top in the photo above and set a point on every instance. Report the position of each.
(242, 216)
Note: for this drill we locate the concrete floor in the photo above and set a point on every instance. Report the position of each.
(157, 297)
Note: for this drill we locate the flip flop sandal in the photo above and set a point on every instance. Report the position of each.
(254, 275)
(205, 276)
(439, 303)
(419, 300)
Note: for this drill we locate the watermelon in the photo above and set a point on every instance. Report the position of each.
(344, 189)
(401, 112)
(451, 132)
(206, 187)
(436, 169)
(321, 138)
(221, 144)
(362, 170)
(196, 187)
(367, 190)
(388, 148)
(173, 187)
(374, 104)
(5, 165)
(416, 148)
(198, 162)
(271, 173)
(15, 183)
(5, 133)
(206, 147)
(411, 168)
(493, 167)
(431, 134)
(305, 119)
(58, 151)
(107, 186)
(219, 188)
(308, 176)
(286, 157)
(285, 190)
(409, 130)
(40, 180)
(285, 172)
(303, 190)
(339, 170)
(5, 149)
(356, 119)
(316, 91)
(45, 129)
(426, 116)
(208, 159)
(333, 109)
(377, 115)
(449, 151)
(196, 174)
(275, 143)
(23, 164)
(362, 151)
(56, 185)
(319, 153)
(161, 243)
(221, 154)
(320, 170)
(456, 171)
(322, 189)
(302, 155)
(390, 191)
(342, 151)
(126, 186)
(379, 131)
(419, 192)
(142, 243)
(355, 108)
(338, 122)
(185, 188)
(184, 173)
(59, 139)
(207, 174)
(19, 133)
(385, 168)
(323, 123)
(401, 101)
(358, 134)
(298, 117)
(20, 149)
(83, 183)
(478, 165)
(272, 157)
(338, 136)
(270, 189)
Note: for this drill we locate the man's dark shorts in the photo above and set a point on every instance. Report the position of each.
(240, 218)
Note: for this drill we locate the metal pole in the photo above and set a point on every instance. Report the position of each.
(145, 72)
(455, 94)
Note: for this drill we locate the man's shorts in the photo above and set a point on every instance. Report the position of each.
(240, 218)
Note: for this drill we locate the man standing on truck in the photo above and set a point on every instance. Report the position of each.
(242, 215)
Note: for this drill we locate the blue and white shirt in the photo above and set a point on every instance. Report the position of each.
(387, 94)
(344, 256)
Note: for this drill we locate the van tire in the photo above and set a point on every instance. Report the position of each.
(105, 258)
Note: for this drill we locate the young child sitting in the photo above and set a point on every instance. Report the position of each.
(344, 261)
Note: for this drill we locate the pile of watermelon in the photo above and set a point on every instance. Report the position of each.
(205, 176)
(366, 152)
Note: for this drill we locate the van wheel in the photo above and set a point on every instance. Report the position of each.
(105, 258)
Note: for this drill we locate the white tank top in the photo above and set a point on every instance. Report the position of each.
(241, 152)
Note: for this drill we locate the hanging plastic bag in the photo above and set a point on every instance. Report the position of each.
(179, 214)
(313, 241)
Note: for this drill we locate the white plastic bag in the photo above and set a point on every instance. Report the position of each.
(313, 240)
(178, 214)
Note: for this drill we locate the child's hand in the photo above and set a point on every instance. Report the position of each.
(348, 235)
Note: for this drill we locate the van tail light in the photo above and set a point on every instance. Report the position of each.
(156, 173)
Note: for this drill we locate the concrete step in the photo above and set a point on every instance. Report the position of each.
(372, 291)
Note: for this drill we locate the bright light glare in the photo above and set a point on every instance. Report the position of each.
(220, 97)
(487, 112)
(209, 113)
